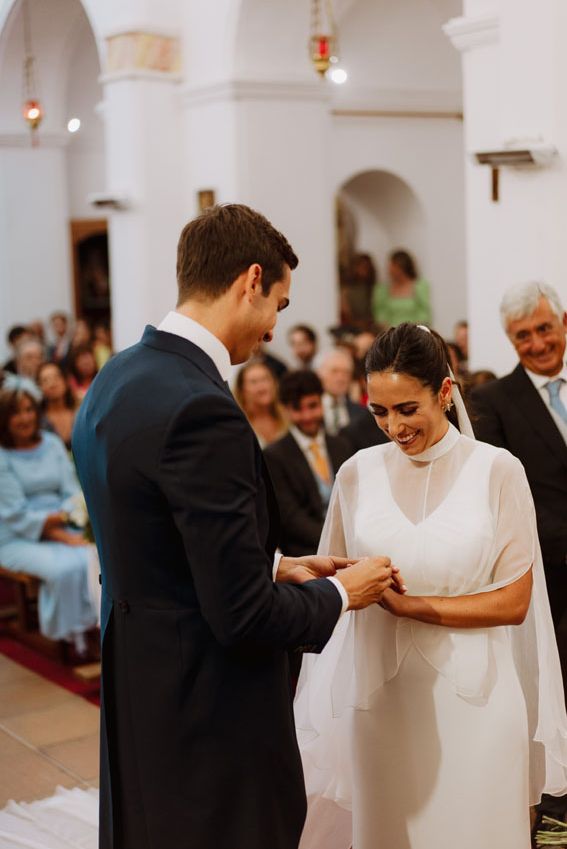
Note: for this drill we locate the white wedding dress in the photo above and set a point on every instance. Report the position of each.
(416, 736)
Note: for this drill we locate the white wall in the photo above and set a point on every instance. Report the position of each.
(521, 237)
(43, 187)
(284, 174)
(427, 155)
(399, 46)
(85, 150)
(34, 244)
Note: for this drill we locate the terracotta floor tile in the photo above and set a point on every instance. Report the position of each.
(11, 671)
(27, 775)
(80, 756)
(69, 720)
(22, 695)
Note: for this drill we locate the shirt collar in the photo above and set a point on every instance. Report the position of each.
(541, 380)
(304, 441)
(188, 328)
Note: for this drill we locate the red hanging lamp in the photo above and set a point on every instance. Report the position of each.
(323, 39)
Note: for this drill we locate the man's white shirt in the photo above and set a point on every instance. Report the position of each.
(305, 443)
(540, 382)
(187, 328)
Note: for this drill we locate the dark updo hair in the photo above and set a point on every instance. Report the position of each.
(412, 350)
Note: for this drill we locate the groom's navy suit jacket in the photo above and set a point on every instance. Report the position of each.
(198, 745)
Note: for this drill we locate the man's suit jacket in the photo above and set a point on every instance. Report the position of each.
(297, 492)
(198, 745)
(511, 413)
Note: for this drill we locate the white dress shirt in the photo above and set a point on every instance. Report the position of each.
(187, 328)
(335, 412)
(540, 381)
(305, 443)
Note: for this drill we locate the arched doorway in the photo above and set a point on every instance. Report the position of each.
(377, 212)
(45, 189)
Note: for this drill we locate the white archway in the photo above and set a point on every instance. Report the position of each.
(45, 187)
(387, 214)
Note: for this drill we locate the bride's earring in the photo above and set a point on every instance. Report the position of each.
(447, 406)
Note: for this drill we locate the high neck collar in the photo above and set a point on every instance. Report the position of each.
(440, 448)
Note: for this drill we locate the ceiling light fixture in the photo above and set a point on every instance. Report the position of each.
(323, 41)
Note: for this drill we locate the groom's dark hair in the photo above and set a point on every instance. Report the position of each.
(218, 246)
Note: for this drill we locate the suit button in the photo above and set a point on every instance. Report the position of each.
(124, 606)
(100, 580)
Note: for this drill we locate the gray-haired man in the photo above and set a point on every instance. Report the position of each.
(526, 412)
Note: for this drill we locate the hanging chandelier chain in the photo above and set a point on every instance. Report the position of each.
(322, 18)
(331, 18)
(29, 66)
(27, 28)
(315, 17)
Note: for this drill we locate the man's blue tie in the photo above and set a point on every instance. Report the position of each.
(555, 402)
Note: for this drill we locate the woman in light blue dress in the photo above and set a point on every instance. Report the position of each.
(38, 487)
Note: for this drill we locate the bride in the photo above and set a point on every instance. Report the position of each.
(436, 719)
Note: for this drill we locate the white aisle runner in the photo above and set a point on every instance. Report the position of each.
(68, 820)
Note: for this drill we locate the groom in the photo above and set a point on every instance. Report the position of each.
(198, 747)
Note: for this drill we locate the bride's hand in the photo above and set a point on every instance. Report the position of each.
(396, 603)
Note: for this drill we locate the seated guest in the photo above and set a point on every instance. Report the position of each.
(336, 369)
(303, 464)
(16, 334)
(461, 339)
(82, 334)
(82, 370)
(302, 340)
(58, 406)
(406, 298)
(38, 487)
(361, 344)
(257, 393)
(29, 357)
(57, 351)
(476, 379)
(102, 344)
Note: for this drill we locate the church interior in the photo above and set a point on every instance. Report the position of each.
(410, 143)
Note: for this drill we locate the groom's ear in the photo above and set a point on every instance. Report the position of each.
(252, 281)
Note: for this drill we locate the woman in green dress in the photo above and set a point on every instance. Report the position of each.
(407, 296)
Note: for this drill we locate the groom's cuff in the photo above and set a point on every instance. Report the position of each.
(340, 589)
(342, 592)
(277, 557)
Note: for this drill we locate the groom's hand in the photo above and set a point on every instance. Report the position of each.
(298, 570)
(367, 580)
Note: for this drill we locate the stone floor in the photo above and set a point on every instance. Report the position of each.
(48, 736)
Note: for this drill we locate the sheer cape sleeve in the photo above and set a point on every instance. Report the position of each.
(368, 647)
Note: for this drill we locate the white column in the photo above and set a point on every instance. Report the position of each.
(144, 174)
(266, 145)
(514, 94)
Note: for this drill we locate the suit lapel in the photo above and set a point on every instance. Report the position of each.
(302, 470)
(529, 403)
(333, 455)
